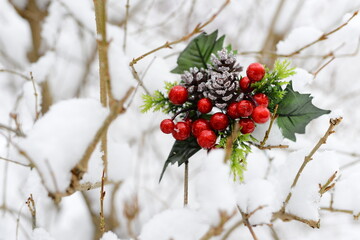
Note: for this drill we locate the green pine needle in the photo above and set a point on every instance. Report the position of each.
(159, 102)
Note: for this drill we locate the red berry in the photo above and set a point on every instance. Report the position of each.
(204, 105)
(178, 95)
(219, 121)
(247, 125)
(260, 114)
(232, 110)
(167, 126)
(255, 72)
(245, 84)
(181, 131)
(198, 126)
(261, 99)
(207, 139)
(245, 108)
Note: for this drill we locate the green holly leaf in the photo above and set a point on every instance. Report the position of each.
(181, 152)
(198, 52)
(295, 111)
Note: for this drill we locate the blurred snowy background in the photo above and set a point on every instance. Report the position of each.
(50, 46)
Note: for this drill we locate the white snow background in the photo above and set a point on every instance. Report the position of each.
(136, 147)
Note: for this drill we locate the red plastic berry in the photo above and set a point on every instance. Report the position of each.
(207, 139)
(245, 84)
(181, 131)
(167, 126)
(255, 72)
(247, 125)
(232, 110)
(178, 95)
(204, 105)
(260, 114)
(198, 126)
(261, 99)
(219, 121)
(245, 108)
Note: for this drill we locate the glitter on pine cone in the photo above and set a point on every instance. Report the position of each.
(194, 81)
(223, 84)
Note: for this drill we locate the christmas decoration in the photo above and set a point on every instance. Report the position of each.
(213, 100)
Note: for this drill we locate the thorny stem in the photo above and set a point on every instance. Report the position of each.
(186, 183)
(308, 158)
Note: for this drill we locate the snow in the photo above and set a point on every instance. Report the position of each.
(41, 234)
(137, 149)
(58, 140)
(182, 224)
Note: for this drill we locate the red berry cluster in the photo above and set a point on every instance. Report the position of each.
(251, 109)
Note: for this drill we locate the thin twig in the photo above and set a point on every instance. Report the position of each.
(186, 183)
(269, 147)
(31, 205)
(16, 162)
(102, 196)
(323, 66)
(52, 174)
(15, 73)
(324, 36)
(247, 223)
(230, 141)
(308, 158)
(356, 216)
(230, 230)
(18, 132)
(267, 133)
(127, 7)
(218, 229)
(37, 113)
(288, 217)
(195, 31)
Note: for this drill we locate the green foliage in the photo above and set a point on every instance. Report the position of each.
(238, 156)
(272, 83)
(198, 52)
(238, 153)
(159, 101)
(181, 152)
(295, 112)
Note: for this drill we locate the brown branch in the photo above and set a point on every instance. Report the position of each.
(79, 170)
(230, 141)
(18, 132)
(102, 196)
(322, 67)
(330, 209)
(269, 147)
(235, 226)
(127, 7)
(15, 73)
(324, 36)
(198, 28)
(330, 184)
(186, 183)
(289, 217)
(218, 229)
(31, 205)
(247, 223)
(267, 133)
(37, 113)
(308, 158)
(18, 163)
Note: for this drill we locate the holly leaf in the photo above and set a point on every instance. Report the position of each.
(180, 152)
(198, 52)
(295, 111)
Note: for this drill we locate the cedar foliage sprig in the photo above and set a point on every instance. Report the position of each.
(272, 84)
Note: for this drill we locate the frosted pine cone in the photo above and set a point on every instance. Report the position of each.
(195, 80)
(223, 84)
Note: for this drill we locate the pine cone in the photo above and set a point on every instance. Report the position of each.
(194, 80)
(223, 84)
